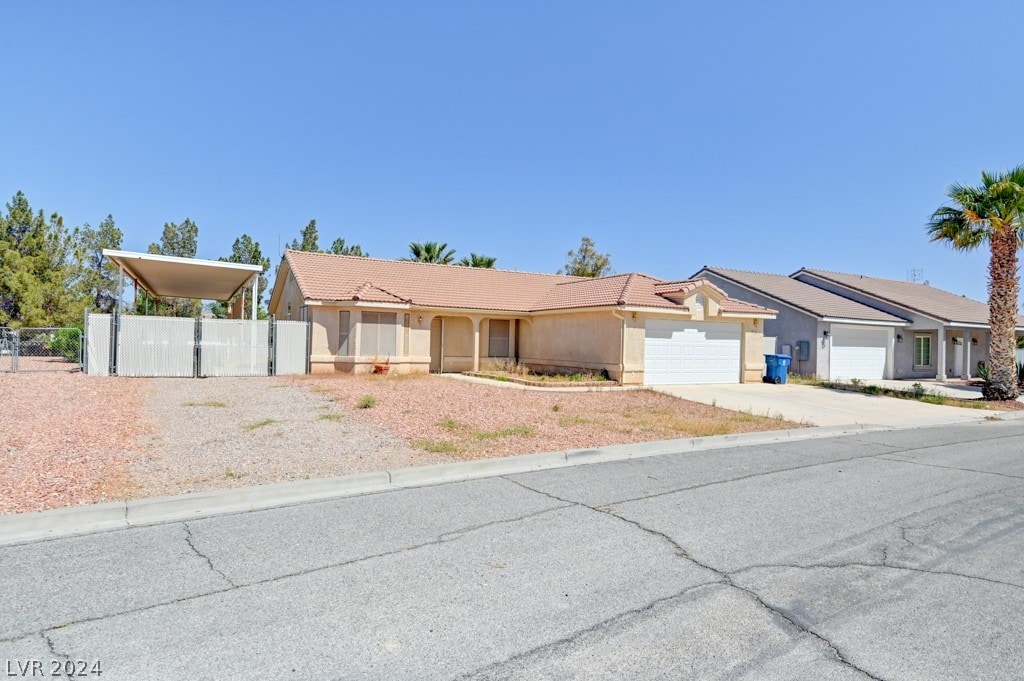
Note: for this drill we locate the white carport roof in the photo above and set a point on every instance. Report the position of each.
(165, 276)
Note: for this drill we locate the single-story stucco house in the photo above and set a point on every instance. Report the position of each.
(422, 317)
(844, 326)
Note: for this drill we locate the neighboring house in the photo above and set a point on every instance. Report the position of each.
(826, 334)
(947, 335)
(422, 317)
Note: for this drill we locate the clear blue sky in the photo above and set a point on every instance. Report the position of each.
(755, 135)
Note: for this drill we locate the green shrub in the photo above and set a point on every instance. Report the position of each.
(919, 391)
(983, 371)
(67, 343)
(366, 402)
(872, 390)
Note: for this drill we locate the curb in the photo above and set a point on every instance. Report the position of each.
(78, 520)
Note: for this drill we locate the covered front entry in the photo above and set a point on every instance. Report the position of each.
(680, 352)
(858, 352)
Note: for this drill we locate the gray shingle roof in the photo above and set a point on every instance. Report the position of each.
(798, 294)
(928, 300)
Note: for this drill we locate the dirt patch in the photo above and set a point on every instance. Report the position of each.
(66, 438)
(474, 421)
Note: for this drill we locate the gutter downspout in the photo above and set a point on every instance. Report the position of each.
(622, 345)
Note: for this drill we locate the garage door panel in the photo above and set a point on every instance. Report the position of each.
(858, 352)
(691, 352)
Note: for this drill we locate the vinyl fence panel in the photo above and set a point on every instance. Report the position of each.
(97, 345)
(156, 346)
(234, 347)
(291, 347)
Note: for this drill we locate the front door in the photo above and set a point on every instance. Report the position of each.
(958, 358)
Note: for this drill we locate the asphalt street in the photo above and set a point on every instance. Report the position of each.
(884, 555)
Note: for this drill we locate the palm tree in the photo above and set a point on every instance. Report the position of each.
(992, 214)
(431, 251)
(475, 260)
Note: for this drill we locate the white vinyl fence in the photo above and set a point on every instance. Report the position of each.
(134, 345)
(291, 348)
(234, 347)
(156, 346)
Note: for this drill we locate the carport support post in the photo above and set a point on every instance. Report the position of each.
(255, 288)
(966, 350)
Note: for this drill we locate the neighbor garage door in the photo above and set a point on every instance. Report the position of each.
(691, 352)
(858, 352)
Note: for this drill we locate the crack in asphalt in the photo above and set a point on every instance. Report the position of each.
(53, 651)
(883, 565)
(600, 626)
(441, 539)
(724, 577)
(190, 540)
(951, 468)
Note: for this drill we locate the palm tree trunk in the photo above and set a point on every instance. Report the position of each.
(1003, 292)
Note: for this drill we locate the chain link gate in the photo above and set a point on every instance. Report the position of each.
(41, 349)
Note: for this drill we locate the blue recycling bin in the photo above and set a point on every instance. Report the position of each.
(778, 368)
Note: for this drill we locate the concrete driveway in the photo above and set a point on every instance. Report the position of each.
(823, 407)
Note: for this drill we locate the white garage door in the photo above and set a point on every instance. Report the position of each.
(691, 352)
(858, 352)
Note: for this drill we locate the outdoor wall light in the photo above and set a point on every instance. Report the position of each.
(634, 315)
(419, 320)
(824, 334)
(899, 338)
(974, 341)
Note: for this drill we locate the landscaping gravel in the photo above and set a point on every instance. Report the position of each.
(65, 438)
(233, 432)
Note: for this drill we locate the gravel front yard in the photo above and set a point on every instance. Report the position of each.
(70, 439)
(65, 438)
(475, 421)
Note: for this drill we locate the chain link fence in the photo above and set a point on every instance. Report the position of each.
(41, 349)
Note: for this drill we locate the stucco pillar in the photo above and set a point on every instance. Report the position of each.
(940, 362)
(476, 344)
(966, 350)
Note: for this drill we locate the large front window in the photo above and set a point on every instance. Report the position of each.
(378, 334)
(922, 351)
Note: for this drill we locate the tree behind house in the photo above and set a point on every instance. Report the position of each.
(101, 276)
(586, 261)
(309, 239)
(432, 252)
(182, 241)
(247, 251)
(340, 248)
(475, 260)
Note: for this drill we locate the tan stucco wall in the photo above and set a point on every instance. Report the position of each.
(324, 357)
(588, 340)
(289, 295)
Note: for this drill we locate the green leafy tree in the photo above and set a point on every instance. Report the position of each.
(475, 260)
(431, 251)
(340, 248)
(101, 277)
(309, 239)
(247, 251)
(991, 214)
(182, 241)
(586, 261)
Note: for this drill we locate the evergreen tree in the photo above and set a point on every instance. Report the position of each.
(248, 252)
(586, 261)
(339, 248)
(310, 239)
(101, 276)
(182, 241)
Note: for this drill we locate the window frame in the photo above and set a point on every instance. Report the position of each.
(373, 319)
(491, 338)
(344, 333)
(925, 347)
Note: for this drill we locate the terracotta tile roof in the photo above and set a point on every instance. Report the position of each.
(323, 276)
(928, 300)
(801, 295)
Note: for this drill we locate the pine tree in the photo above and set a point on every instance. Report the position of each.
(101, 276)
(310, 240)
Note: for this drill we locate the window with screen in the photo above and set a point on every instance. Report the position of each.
(497, 341)
(344, 324)
(378, 334)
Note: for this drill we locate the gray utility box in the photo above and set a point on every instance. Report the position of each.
(803, 350)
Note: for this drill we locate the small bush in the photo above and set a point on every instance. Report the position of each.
(67, 343)
(367, 402)
(855, 382)
(919, 391)
(872, 390)
(556, 408)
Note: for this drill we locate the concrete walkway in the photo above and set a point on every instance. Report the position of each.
(823, 407)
